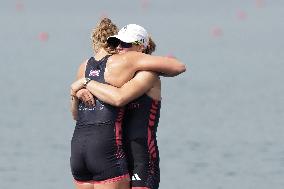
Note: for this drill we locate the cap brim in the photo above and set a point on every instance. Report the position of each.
(124, 38)
(113, 41)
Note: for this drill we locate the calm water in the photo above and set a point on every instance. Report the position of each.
(222, 121)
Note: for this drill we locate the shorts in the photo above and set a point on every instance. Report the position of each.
(97, 154)
(143, 163)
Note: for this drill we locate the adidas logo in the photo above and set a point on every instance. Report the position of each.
(135, 177)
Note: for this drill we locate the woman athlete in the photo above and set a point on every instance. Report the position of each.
(91, 138)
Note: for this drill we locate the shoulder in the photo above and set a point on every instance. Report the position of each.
(117, 59)
(83, 65)
(82, 68)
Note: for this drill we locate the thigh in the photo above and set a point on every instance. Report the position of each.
(84, 185)
(144, 167)
(121, 184)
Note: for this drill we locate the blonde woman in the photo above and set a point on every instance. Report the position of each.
(97, 156)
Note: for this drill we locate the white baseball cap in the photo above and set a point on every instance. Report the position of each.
(129, 34)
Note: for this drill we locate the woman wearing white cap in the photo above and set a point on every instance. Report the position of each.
(117, 70)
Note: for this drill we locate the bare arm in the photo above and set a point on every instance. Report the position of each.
(140, 84)
(74, 100)
(166, 65)
(74, 106)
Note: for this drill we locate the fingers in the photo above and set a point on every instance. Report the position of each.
(87, 98)
(92, 101)
(81, 94)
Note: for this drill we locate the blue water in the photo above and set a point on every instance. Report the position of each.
(222, 121)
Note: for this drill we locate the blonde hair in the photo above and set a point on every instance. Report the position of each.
(101, 32)
(151, 47)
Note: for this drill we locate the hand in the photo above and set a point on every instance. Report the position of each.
(87, 97)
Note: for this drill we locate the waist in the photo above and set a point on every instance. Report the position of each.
(80, 124)
(99, 114)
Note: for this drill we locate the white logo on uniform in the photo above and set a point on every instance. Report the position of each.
(135, 177)
(94, 73)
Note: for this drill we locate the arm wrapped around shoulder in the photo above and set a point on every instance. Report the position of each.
(168, 66)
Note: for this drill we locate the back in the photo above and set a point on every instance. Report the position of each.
(101, 112)
(142, 118)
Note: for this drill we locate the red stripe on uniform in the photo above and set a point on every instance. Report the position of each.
(118, 130)
(151, 124)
